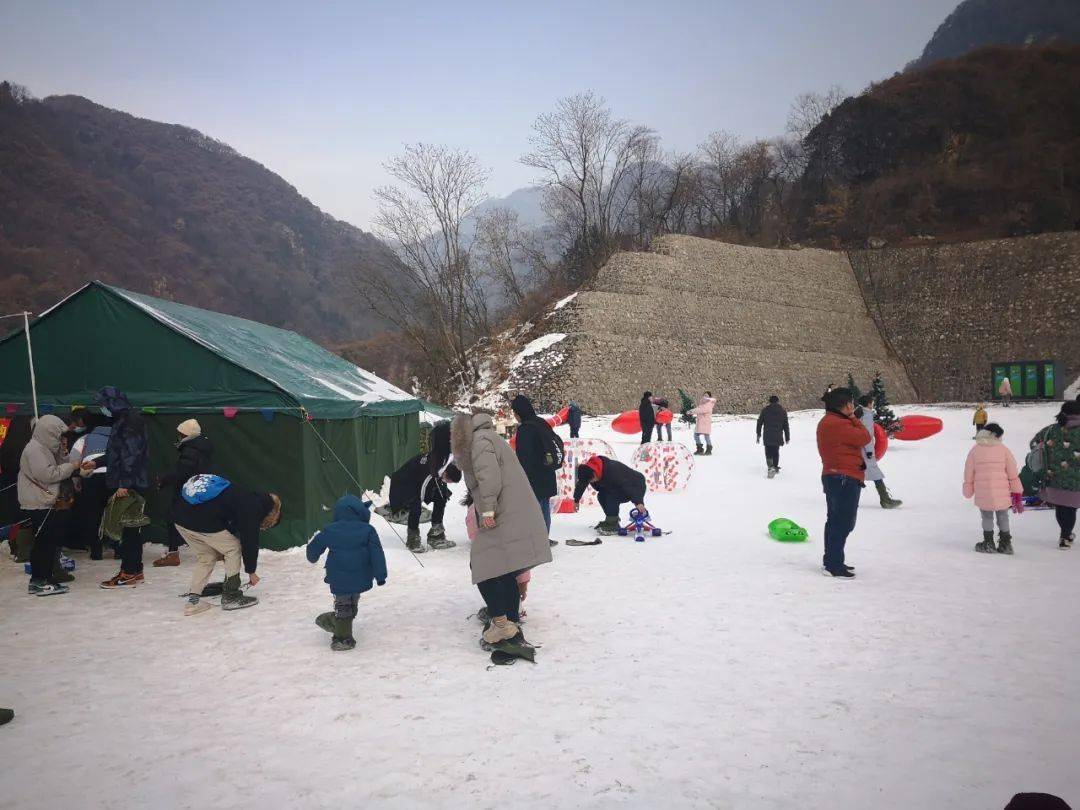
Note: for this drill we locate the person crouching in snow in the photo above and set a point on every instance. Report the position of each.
(424, 478)
(511, 535)
(703, 424)
(992, 478)
(866, 415)
(356, 559)
(194, 454)
(615, 484)
(221, 521)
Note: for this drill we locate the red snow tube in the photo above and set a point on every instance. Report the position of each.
(881, 441)
(915, 427)
(630, 421)
(559, 418)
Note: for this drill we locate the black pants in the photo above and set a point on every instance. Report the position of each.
(501, 596)
(842, 504)
(646, 434)
(131, 545)
(1066, 518)
(46, 529)
(609, 502)
(772, 455)
(660, 431)
(574, 430)
(89, 507)
(415, 507)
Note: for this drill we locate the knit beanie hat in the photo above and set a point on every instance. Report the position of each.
(189, 429)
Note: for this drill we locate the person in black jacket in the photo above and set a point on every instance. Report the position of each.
(573, 419)
(540, 451)
(220, 520)
(195, 453)
(615, 484)
(414, 483)
(773, 423)
(647, 416)
(127, 469)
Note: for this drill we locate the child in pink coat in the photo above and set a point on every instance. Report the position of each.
(703, 424)
(991, 476)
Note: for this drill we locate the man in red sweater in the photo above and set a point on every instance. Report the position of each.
(840, 438)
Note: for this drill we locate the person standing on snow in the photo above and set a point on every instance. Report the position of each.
(1005, 391)
(661, 405)
(647, 416)
(615, 484)
(865, 413)
(980, 418)
(992, 478)
(1060, 446)
(703, 424)
(41, 471)
(222, 521)
(93, 495)
(195, 453)
(511, 536)
(573, 419)
(841, 438)
(772, 422)
(540, 452)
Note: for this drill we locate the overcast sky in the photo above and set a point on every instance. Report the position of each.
(322, 93)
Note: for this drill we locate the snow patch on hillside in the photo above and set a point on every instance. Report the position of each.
(535, 346)
(562, 302)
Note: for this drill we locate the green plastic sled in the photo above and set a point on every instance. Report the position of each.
(787, 531)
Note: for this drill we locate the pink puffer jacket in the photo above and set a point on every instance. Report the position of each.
(990, 473)
(703, 413)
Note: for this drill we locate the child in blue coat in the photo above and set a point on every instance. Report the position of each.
(355, 559)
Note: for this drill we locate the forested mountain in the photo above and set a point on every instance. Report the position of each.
(87, 192)
(975, 23)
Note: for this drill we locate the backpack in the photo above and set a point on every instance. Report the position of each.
(1036, 457)
(553, 447)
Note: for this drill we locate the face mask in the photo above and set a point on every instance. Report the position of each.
(105, 411)
(78, 430)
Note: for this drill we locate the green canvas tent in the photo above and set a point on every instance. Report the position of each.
(284, 414)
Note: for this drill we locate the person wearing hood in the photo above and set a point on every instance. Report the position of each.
(991, 477)
(127, 470)
(841, 439)
(355, 560)
(647, 415)
(195, 453)
(573, 419)
(540, 452)
(511, 535)
(866, 414)
(93, 494)
(615, 484)
(424, 478)
(772, 422)
(41, 470)
(703, 424)
(1059, 449)
(220, 520)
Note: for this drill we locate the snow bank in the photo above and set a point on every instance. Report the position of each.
(536, 346)
(562, 302)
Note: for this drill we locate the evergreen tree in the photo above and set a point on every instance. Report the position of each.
(853, 388)
(885, 416)
(687, 406)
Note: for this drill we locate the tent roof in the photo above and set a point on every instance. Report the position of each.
(325, 385)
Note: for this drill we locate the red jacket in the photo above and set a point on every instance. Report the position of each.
(840, 442)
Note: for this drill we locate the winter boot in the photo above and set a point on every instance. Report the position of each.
(232, 599)
(343, 637)
(772, 472)
(708, 451)
(1066, 541)
(699, 451)
(6, 716)
(326, 621)
(436, 538)
(987, 545)
(1005, 543)
(194, 607)
(413, 544)
(500, 629)
(608, 526)
(170, 559)
(887, 500)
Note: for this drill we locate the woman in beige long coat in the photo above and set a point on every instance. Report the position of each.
(512, 536)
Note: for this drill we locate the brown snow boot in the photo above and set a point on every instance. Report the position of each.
(500, 629)
(169, 559)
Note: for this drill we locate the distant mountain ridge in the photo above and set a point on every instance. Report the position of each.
(976, 23)
(89, 192)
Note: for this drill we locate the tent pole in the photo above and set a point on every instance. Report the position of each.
(30, 355)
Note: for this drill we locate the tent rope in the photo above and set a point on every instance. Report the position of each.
(362, 490)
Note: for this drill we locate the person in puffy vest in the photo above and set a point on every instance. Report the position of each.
(991, 477)
(615, 484)
(220, 520)
(354, 561)
(194, 454)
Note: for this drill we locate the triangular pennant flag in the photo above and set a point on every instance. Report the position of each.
(229, 412)
(12, 408)
(267, 414)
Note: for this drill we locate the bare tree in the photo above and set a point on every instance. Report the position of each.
(498, 240)
(586, 158)
(434, 297)
(808, 109)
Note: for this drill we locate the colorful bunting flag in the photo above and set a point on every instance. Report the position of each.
(229, 412)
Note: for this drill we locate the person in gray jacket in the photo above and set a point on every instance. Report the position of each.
(512, 537)
(866, 414)
(40, 472)
(773, 423)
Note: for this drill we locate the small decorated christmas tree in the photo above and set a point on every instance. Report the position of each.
(853, 388)
(885, 416)
(686, 406)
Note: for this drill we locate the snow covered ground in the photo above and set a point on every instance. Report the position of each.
(710, 668)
